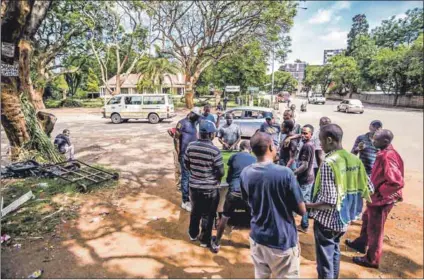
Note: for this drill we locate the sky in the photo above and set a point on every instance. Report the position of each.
(325, 24)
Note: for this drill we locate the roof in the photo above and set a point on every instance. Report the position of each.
(252, 108)
(132, 79)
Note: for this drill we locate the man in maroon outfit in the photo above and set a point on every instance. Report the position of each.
(387, 177)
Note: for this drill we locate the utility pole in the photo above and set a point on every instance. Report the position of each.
(272, 75)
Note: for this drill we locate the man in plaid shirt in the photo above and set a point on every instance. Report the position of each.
(328, 226)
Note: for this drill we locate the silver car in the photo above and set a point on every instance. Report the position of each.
(249, 119)
(351, 106)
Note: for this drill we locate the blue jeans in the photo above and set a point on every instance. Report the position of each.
(327, 249)
(185, 176)
(307, 194)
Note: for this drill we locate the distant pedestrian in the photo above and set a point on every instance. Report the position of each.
(186, 133)
(229, 135)
(271, 128)
(365, 147)
(305, 171)
(340, 185)
(388, 179)
(225, 102)
(63, 144)
(204, 162)
(288, 152)
(273, 195)
(219, 107)
(294, 113)
(233, 200)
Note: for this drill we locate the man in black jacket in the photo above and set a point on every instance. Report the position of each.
(63, 144)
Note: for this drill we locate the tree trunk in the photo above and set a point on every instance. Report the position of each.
(118, 84)
(37, 99)
(21, 20)
(12, 117)
(189, 94)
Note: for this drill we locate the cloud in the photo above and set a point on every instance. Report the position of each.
(322, 16)
(326, 15)
(400, 16)
(335, 36)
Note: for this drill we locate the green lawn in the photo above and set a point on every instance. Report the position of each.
(225, 157)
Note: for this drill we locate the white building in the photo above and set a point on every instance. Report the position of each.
(175, 83)
(297, 70)
(330, 53)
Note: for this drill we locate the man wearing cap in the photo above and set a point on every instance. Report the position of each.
(365, 148)
(271, 128)
(204, 162)
(229, 135)
(186, 133)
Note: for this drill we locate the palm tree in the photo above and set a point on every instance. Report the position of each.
(154, 70)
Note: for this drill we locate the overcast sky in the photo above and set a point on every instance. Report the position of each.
(325, 24)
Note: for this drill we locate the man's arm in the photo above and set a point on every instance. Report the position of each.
(295, 196)
(230, 169)
(355, 149)
(304, 159)
(187, 159)
(177, 137)
(219, 167)
(319, 154)
(289, 138)
(221, 139)
(238, 139)
(218, 117)
(292, 156)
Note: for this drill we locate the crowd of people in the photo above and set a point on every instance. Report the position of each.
(294, 169)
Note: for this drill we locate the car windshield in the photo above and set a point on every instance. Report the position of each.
(319, 95)
(115, 100)
(170, 100)
(355, 102)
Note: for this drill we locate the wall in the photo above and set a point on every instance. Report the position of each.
(409, 101)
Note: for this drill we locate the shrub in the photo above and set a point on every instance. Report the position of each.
(70, 103)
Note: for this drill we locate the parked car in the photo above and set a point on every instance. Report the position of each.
(316, 99)
(351, 106)
(249, 119)
(153, 107)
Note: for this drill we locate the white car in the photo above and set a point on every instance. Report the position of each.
(316, 99)
(153, 107)
(351, 106)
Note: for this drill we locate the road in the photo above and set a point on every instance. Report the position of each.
(145, 233)
(407, 127)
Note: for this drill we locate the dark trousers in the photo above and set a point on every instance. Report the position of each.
(327, 249)
(204, 204)
(372, 232)
(185, 177)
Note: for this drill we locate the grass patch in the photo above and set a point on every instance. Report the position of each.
(28, 220)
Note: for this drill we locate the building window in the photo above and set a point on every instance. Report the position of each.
(124, 90)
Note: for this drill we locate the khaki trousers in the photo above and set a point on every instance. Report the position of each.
(177, 168)
(279, 263)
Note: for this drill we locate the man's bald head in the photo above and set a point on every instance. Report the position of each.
(261, 143)
(324, 121)
(382, 138)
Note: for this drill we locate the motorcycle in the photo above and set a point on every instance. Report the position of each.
(303, 106)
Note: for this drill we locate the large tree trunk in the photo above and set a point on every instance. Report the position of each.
(21, 20)
(37, 99)
(189, 94)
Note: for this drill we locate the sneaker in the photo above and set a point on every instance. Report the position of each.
(205, 245)
(301, 229)
(214, 246)
(192, 238)
(186, 206)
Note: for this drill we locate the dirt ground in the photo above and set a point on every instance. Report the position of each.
(138, 229)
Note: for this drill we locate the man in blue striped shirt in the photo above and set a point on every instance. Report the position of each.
(364, 146)
(204, 162)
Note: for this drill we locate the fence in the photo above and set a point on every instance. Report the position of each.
(408, 101)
